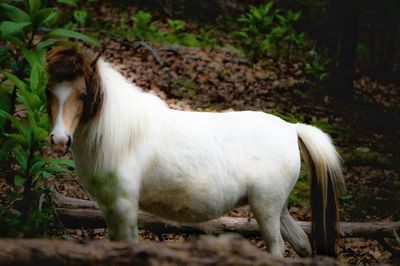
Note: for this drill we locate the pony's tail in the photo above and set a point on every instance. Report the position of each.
(324, 167)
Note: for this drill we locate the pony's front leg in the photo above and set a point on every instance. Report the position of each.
(121, 219)
(118, 198)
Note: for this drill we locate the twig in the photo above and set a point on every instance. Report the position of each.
(171, 49)
(151, 50)
(41, 200)
(396, 237)
(394, 250)
(240, 60)
(53, 193)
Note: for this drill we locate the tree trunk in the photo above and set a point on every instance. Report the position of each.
(341, 42)
(206, 251)
(76, 213)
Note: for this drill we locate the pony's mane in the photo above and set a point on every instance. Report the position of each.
(123, 121)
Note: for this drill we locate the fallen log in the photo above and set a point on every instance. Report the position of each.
(225, 250)
(77, 213)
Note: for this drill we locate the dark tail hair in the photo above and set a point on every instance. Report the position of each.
(324, 166)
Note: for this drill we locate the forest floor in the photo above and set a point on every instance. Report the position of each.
(214, 79)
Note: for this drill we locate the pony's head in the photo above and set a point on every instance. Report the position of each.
(74, 95)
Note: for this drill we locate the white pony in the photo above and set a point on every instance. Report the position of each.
(186, 166)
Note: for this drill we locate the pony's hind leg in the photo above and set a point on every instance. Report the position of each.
(282, 244)
(292, 232)
(267, 211)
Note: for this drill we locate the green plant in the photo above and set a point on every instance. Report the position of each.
(292, 40)
(23, 84)
(68, 2)
(40, 221)
(184, 88)
(301, 192)
(80, 16)
(299, 118)
(177, 34)
(316, 69)
(205, 38)
(268, 32)
(144, 28)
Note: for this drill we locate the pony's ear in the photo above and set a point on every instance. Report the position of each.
(94, 61)
(97, 57)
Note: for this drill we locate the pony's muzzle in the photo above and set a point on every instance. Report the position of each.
(60, 143)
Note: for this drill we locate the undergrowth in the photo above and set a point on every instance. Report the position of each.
(23, 117)
(143, 27)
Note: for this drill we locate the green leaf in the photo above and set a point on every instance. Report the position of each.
(39, 134)
(6, 148)
(57, 169)
(80, 16)
(346, 197)
(36, 56)
(241, 34)
(68, 2)
(17, 138)
(43, 16)
(8, 28)
(63, 33)
(19, 180)
(14, 40)
(14, 13)
(45, 174)
(33, 101)
(42, 81)
(36, 167)
(34, 6)
(22, 158)
(38, 80)
(31, 120)
(14, 79)
(34, 79)
(5, 104)
(363, 149)
(45, 44)
(22, 99)
(43, 121)
(265, 45)
(13, 120)
(66, 161)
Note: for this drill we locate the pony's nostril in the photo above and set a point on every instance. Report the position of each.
(52, 139)
(69, 142)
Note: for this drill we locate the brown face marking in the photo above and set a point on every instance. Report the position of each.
(73, 106)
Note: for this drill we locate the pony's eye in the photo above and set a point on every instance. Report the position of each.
(82, 96)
